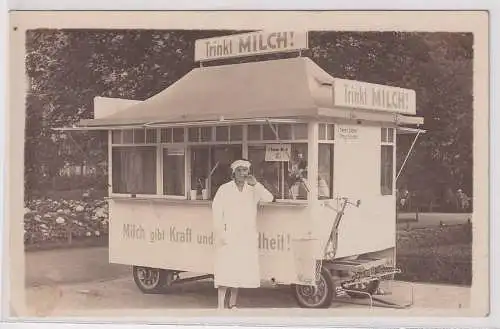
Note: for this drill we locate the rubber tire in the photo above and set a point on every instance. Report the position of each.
(158, 288)
(330, 291)
(371, 288)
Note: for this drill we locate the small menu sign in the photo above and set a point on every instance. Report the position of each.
(278, 152)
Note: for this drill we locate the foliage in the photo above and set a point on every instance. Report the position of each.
(68, 68)
(436, 254)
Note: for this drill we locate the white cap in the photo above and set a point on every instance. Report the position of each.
(240, 163)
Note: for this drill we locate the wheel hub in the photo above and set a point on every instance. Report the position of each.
(313, 295)
(148, 277)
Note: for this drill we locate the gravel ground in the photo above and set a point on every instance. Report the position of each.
(107, 297)
(66, 282)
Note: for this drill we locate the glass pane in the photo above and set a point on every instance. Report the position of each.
(222, 158)
(285, 131)
(268, 132)
(206, 134)
(222, 134)
(166, 135)
(236, 133)
(173, 172)
(199, 167)
(384, 135)
(325, 171)
(386, 170)
(297, 172)
(151, 136)
(331, 132)
(128, 136)
(134, 170)
(390, 135)
(322, 131)
(178, 135)
(116, 136)
(254, 133)
(267, 173)
(300, 131)
(139, 136)
(193, 135)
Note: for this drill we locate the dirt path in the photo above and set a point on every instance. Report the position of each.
(68, 282)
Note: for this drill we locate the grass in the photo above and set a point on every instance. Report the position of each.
(436, 254)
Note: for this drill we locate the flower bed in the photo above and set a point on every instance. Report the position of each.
(64, 221)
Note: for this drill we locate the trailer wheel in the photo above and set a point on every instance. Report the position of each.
(369, 288)
(150, 280)
(319, 297)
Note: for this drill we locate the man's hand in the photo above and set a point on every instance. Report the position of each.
(251, 180)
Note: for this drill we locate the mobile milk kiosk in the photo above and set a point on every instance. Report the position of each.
(332, 227)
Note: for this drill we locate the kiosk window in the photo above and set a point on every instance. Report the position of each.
(139, 136)
(386, 169)
(222, 134)
(211, 166)
(236, 133)
(173, 171)
(200, 134)
(300, 131)
(254, 133)
(116, 137)
(229, 133)
(151, 136)
(172, 135)
(134, 170)
(387, 161)
(268, 133)
(325, 171)
(128, 136)
(178, 135)
(279, 176)
(285, 131)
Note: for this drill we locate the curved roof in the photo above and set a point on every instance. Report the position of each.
(278, 88)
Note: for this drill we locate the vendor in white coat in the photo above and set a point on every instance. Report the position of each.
(234, 211)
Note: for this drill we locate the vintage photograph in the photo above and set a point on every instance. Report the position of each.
(249, 168)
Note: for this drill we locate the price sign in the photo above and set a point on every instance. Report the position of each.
(278, 152)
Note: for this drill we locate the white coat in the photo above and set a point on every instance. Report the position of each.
(236, 235)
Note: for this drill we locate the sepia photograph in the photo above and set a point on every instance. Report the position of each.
(241, 168)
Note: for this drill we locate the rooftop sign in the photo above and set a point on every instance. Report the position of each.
(247, 44)
(369, 96)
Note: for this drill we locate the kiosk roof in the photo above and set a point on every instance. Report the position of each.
(295, 87)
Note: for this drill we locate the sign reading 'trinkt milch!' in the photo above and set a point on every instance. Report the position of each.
(247, 44)
(370, 96)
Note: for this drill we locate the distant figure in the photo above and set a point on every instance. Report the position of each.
(403, 199)
(463, 200)
(234, 211)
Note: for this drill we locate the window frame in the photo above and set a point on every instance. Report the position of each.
(141, 195)
(160, 189)
(388, 139)
(330, 140)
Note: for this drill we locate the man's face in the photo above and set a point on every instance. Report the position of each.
(240, 174)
